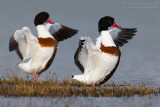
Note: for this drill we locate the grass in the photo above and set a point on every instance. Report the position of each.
(13, 85)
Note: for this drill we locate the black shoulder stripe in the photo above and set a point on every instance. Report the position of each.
(12, 44)
(19, 53)
(76, 56)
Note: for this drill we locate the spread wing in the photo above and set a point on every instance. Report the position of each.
(60, 32)
(122, 35)
(24, 43)
(84, 55)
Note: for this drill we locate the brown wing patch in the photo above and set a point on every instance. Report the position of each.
(109, 50)
(48, 42)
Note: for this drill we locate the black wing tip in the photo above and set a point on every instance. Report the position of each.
(65, 33)
(12, 44)
(81, 42)
(69, 29)
(129, 28)
(125, 35)
(133, 30)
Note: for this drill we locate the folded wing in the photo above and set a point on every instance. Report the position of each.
(24, 43)
(60, 32)
(122, 35)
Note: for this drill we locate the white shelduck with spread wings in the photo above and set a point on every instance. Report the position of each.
(99, 62)
(37, 54)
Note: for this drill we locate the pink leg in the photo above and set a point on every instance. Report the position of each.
(38, 77)
(93, 85)
(34, 77)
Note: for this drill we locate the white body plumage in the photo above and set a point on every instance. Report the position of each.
(97, 64)
(30, 47)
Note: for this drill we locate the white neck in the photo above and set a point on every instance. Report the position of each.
(107, 39)
(43, 32)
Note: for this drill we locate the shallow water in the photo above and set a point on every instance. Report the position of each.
(146, 101)
(140, 57)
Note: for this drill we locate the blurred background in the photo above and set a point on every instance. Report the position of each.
(140, 57)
